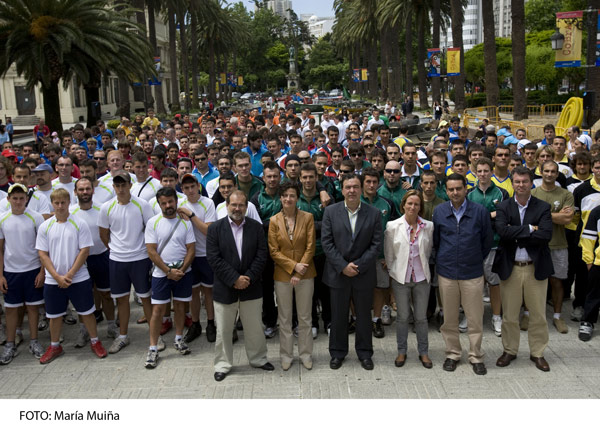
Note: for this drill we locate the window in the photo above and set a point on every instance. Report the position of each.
(76, 94)
(138, 93)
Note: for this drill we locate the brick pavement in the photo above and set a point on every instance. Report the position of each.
(575, 371)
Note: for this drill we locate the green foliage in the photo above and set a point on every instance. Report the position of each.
(539, 68)
(540, 15)
(327, 76)
(475, 65)
(113, 124)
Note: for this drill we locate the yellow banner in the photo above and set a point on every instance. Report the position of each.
(223, 78)
(570, 54)
(363, 75)
(453, 61)
(240, 80)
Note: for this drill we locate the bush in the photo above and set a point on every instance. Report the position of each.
(113, 124)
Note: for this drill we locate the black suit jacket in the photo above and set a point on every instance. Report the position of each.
(513, 235)
(341, 248)
(223, 258)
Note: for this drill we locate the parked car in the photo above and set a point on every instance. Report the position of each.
(247, 96)
(236, 94)
(335, 93)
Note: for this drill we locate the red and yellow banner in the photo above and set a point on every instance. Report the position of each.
(570, 54)
(453, 61)
(363, 75)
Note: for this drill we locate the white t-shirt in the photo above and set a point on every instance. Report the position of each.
(149, 191)
(44, 193)
(3, 194)
(19, 233)
(156, 207)
(107, 180)
(102, 194)
(174, 250)
(373, 121)
(250, 212)
(70, 186)
(63, 242)
(90, 217)
(38, 203)
(126, 223)
(212, 186)
(204, 209)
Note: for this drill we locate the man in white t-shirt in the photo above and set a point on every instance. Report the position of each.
(171, 246)
(226, 187)
(121, 223)
(145, 186)
(102, 192)
(200, 211)
(35, 200)
(115, 164)
(63, 244)
(43, 179)
(64, 168)
(375, 119)
(168, 179)
(97, 261)
(21, 279)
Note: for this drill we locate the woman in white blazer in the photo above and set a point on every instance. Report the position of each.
(407, 246)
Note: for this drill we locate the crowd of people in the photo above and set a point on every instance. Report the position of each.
(273, 221)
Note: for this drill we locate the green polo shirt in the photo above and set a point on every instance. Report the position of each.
(249, 188)
(394, 195)
(315, 208)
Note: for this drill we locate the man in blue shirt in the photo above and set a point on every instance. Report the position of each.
(255, 149)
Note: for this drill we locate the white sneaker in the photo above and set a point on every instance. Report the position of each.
(8, 354)
(462, 326)
(577, 314)
(386, 315)
(182, 347)
(486, 293)
(497, 326)
(82, 338)
(36, 349)
(315, 332)
(2, 335)
(118, 344)
(151, 359)
(161, 344)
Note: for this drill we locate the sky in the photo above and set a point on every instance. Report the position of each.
(315, 7)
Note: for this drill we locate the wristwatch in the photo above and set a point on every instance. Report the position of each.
(192, 215)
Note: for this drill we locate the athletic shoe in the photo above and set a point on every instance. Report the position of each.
(524, 322)
(151, 359)
(486, 294)
(560, 325)
(577, 314)
(188, 321)
(462, 326)
(378, 331)
(166, 326)
(193, 332)
(585, 331)
(182, 347)
(99, 350)
(497, 326)
(211, 333)
(82, 339)
(138, 300)
(36, 349)
(51, 354)
(2, 335)
(69, 318)
(161, 344)
(18, 339)
(42, 323)
(315, 332)
(386, 315)
(8, 354)
(118, 344)
(113, 331)
(270, 331)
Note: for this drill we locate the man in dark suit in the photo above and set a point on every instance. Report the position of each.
(236, 250)
(524, 264)
(351, 236)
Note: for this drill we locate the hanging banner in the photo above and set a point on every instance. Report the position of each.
(240, 80)
(363, 75)
(435, 63)
(453, 61)
(570, 54)
(356, 75)
(231, 80)
(223, 79)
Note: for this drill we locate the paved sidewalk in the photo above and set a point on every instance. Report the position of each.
(575, 371)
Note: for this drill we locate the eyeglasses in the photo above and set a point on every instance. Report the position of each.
(369, 145)
(200, 159)
(355, 155)
(346, 171)
(392, 171)
(304, 159)
(99, 158)
(356, 140)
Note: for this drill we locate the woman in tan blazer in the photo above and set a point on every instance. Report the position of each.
(292, 242)
(407, 247)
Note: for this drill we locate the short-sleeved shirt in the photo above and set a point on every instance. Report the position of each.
(557, 198)
(126, 223)
(19, 233)
(156, 206)
(251, 211)
(102, 194)
(90, 217)
(204, 209)
(38, 202)
(63, 241)
(70, 187)
(147, 189)
(173, 250)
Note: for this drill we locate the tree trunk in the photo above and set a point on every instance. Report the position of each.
(457, 42)
(194, 47)
(492, 90)
(421, 72)
(226, 88)
(158, 95)
(518, 57)
(385, 57)
(92, 94)
(408, 51)
(396, 64)
(140, 18)
(360, 66)
(124, 105)
(184, 56)
(52, 107)
(173, 59)
(212, 82)
(593, 73)
(435, 40)
(372, 67)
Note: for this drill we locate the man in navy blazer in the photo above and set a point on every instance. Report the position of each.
(351, 236)
(523, 263)
(236, 250)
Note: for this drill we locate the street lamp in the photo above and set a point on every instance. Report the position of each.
(557, 39)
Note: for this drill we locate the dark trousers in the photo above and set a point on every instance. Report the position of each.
(268, 286)
(592, 299)
(362, 296)
(577, 270)
(321, 293)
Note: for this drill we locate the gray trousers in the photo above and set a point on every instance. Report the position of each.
(419, 292)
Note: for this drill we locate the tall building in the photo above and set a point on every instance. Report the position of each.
(502, 18)
(318, 26)
(280, 7)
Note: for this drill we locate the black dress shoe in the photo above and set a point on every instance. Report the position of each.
(400, 361)
(426, 361)
(220, 376)
(267, 367)
(479, 368)
(193, 332)
(505, 359)
(335, 363)
(378, 331)
(211, 333)
(449, 365)
(367, 364)
(540, 363)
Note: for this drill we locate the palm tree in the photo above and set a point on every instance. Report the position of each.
(158, 95)
(172, 30)
(183, 49)
(457, 41)
(518, 56)
(492, 90)
(435, 40)
(53, 40)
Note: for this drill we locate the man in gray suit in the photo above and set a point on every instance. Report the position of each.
(351, 236)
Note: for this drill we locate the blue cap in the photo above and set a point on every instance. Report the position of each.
(503, 132)
(510, 139)
(43, 167)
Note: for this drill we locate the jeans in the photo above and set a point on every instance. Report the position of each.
(420, 298)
